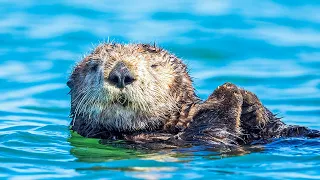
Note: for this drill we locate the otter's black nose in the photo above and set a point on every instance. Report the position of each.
(120, 75)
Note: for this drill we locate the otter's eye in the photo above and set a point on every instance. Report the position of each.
(93, 65)
(154, 66)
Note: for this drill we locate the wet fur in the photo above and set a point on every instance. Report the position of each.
(161, 104)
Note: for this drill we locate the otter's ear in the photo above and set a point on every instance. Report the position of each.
(70, 84)
(148, 48)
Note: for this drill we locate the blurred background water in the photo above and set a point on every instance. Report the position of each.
(269, 47)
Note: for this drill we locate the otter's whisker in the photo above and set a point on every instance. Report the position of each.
(79, 105)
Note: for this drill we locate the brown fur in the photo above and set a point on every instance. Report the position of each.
(161, 105)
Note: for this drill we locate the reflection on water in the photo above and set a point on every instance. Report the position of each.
(270, 47)
(82, 147)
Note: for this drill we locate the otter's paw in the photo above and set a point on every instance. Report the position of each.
(221, 110)
(253, 113)
(229, 93)
(299, 131)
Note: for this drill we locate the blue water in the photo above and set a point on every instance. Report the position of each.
(269, 47)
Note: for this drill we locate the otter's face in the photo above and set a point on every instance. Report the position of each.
(126, 87)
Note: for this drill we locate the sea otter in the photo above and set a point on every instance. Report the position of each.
(142, 93)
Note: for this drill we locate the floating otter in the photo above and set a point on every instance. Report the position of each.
(142, 93)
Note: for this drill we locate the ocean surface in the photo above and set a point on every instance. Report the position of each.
(269, 47)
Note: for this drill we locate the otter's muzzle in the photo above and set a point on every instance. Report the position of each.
(120, 76)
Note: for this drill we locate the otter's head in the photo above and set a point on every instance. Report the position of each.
(128, 87)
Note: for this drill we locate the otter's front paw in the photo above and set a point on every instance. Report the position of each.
(253, 113)
(221, 110)
(228, 93)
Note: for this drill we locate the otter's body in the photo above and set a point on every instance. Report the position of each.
(142, 93)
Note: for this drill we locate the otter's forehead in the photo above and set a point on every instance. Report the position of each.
(129, 52)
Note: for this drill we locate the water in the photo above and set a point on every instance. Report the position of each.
(269, 47)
